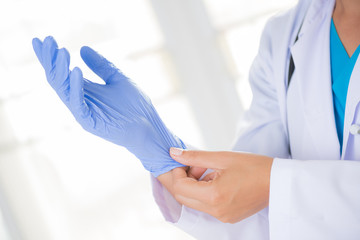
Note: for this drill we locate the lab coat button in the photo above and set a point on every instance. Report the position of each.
(355, 129)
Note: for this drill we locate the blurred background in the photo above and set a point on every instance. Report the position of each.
(191, 57)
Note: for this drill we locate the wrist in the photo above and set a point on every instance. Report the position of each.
(167, 179)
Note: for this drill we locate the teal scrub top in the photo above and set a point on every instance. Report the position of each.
(341, 69)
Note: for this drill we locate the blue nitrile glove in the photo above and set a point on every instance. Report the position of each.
(117, 111)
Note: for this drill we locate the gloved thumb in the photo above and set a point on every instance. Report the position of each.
(203, 159)
(101, 66)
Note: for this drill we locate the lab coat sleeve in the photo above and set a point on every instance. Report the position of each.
(171, 210)
(203, 226)
(315, 199)
(261, 130)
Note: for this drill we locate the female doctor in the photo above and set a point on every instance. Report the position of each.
(313, 118)
(299, 178)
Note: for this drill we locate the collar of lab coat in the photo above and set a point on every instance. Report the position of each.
(352, 102)
(311, 54)
(318, 11)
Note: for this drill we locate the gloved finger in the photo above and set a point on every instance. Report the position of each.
(60, 82)
(78, 107)
(37, 46)
(49, 52)
(101, 66)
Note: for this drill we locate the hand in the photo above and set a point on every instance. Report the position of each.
(238, 187)
(117, 111)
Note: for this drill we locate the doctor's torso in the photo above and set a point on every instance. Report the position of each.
(307, 103)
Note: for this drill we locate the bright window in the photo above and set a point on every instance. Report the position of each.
(239, 25)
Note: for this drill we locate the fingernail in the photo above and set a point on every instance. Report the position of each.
(176, 151)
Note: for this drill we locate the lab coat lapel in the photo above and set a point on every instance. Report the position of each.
(352, 101)
(311, 54)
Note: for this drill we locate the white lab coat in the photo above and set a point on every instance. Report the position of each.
(314, 192)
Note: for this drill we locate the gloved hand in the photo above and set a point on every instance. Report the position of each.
(117, 111)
